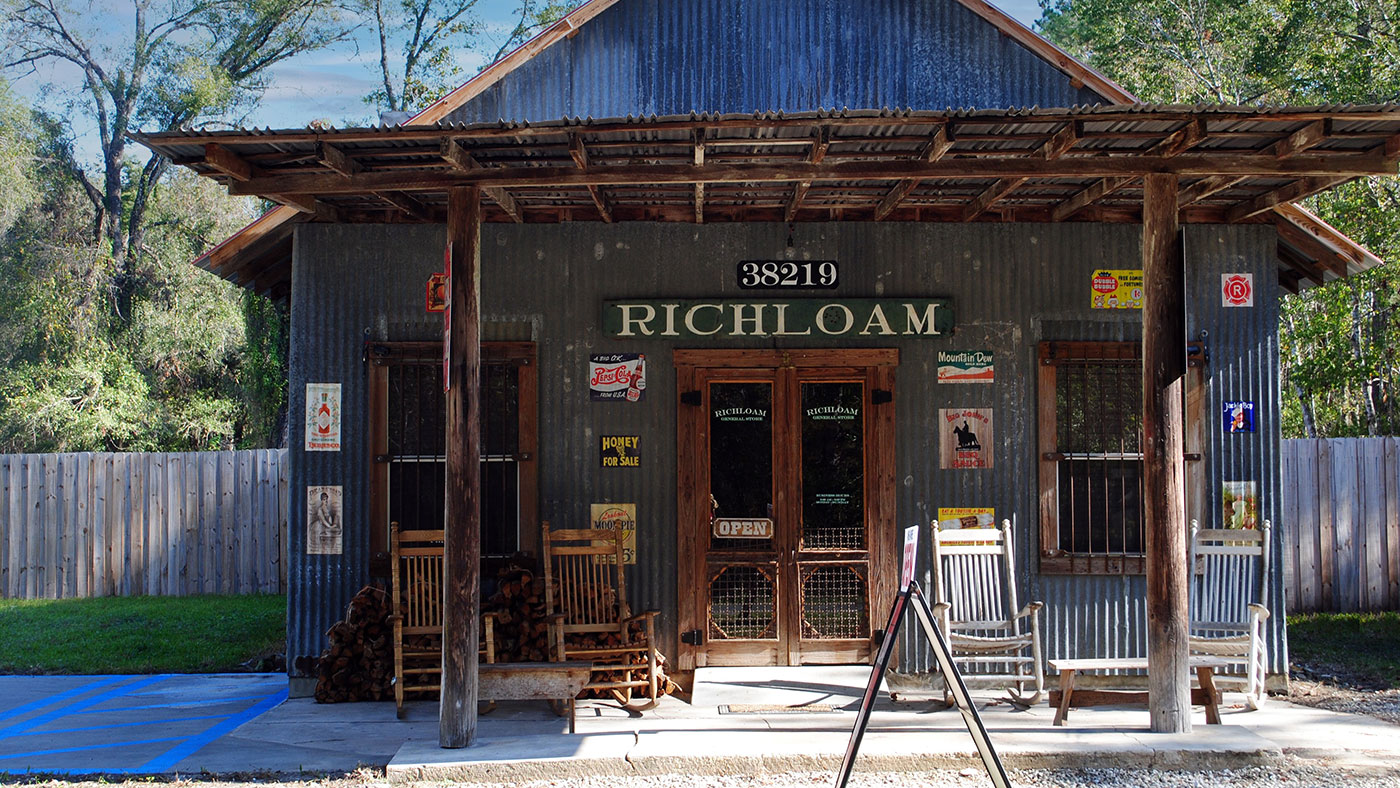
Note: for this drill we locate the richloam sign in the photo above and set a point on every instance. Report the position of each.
(799, 317)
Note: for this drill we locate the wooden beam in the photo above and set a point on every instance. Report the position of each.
(1087, 196)
(1163, 471)
(933, 150)
(325, 212)
(1204, 188)
(794, 204)
(1181, 140)
(1019, 167)
(1302, 139)
(578, 151)
(462, 559)
(600, 201)
(304, 203)
(227, 162)
(820, 144)
(1062, 141)
(1292, 192)
(699, 137)
(454, 153)
(989, 196)
(894, 197)
(407, 204)
(334, 158)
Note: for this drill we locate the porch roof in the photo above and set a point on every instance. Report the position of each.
(1236, 164)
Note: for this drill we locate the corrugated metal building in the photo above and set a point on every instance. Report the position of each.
(356, 289)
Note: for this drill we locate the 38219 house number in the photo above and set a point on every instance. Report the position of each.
(787, 274)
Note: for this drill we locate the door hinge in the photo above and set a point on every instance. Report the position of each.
(878, 637)
(690, 398)
(693, 637)
(881, 396)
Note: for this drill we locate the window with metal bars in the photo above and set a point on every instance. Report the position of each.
(407, 415)
(1090, 425)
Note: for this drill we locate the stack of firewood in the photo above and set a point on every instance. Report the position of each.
(359, 662)
(522, 626)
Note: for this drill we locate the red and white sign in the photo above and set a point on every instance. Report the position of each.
(1237, 289)
(911, 553)
(1105, 282)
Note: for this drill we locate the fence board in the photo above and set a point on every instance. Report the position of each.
(1341, 527)
(119, 524)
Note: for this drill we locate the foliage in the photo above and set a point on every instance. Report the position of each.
(191, 367)
(1338, 342)
(112, 635)
(427, 40)
(1365, 646)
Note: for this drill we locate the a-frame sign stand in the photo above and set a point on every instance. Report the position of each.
(909, 592)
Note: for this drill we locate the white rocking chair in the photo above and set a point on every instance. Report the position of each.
(974, 587)
(1229, 576)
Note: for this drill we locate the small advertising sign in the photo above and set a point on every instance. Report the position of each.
(965, 438)
(1116, 289)
(911, 554)
(1239, 416)
(619, 451)
(436, 298)
(607, 516)
(617, 376)
(324, 520)
(1241, 504)
(742, 528)
(322, 417)
(1237, 289)
(965, 366)
(967, 517)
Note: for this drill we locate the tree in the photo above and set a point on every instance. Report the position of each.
(1339, 342)
(420, 41)
(180, 63)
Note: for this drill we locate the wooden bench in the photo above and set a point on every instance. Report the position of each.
(1204, 695)
(551, 681)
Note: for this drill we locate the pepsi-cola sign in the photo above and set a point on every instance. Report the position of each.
(617, 376)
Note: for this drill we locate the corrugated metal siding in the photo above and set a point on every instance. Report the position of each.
(1012, 286)
(644, 57)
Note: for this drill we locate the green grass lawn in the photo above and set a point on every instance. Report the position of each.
(1362, 646)
(193, 634)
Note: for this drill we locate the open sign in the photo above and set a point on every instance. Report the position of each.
(743, 528)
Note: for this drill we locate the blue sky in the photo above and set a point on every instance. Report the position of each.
(330, 85)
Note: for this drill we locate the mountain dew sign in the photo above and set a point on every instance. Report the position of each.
(796, 317)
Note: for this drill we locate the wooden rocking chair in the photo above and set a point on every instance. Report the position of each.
(584, 581)
(974, 586)
(1229, 577)
(417, 576)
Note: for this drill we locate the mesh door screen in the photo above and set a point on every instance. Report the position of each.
(834, 603)
(743, 603)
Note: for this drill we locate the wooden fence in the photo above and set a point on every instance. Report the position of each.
(83, 525)
(1341, 524)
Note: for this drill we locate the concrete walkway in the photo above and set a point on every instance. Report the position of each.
(739, 722)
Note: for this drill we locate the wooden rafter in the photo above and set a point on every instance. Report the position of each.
(933, 150)
(1204, 188)
(821, 143)
(407, 204)
(989, 197)
(227, 162)
(302, 202)
(1088, 196)
(699, 138)
(578, 151)
(1292, 192)
(334, 158)
(1302, 139)
(455, 154)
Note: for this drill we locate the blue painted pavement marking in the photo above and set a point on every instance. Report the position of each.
(34, 722)
(125, 725)
(62, 696)
(84, 748)
(180, 705)
(188, 747)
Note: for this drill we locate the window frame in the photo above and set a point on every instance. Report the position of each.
(1053, 560)
(379, 357)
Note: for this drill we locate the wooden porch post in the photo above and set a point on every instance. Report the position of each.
(457, 711)
(1164, 477)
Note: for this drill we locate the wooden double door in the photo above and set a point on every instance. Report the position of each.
(786, 504)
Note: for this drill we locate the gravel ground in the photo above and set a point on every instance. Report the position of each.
(1288, 772)
(1334, 688)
